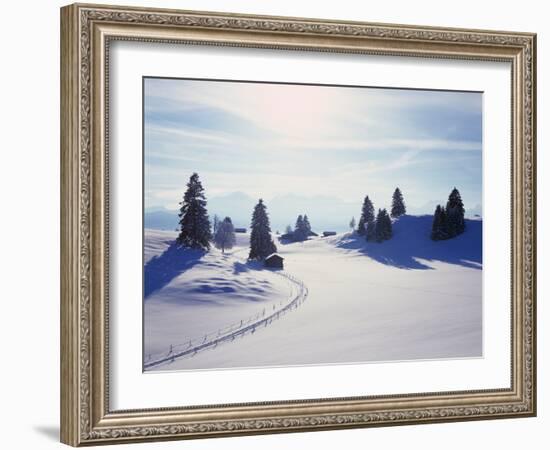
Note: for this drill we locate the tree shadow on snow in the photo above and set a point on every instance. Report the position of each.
(411, 243)
(161, 270)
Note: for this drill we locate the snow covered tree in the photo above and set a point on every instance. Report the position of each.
(288, 229)
(367, 216)
(261, 243)
(352, 224)
(397, 204)
(301, 228)
(225, 235)
(439, 224)
(383, 229)
(215, 224)
(455, 214)
(194, 223)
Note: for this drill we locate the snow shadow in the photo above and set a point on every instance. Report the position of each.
(161, 270)
(241, 267)
(411, 246)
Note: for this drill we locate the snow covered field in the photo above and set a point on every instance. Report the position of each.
(406, 298)
(190, 293)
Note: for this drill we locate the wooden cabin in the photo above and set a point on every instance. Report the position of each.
(274, 261)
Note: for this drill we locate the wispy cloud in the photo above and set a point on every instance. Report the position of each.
(272, 139)
(183, 133)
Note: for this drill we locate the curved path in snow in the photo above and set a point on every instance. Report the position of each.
(229, 333)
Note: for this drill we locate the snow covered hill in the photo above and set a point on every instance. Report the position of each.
(412, 248)
(191, 293)
(406, 298)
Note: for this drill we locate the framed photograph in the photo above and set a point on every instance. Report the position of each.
(276, 224)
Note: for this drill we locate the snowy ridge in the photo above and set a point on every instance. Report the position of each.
(229, 332)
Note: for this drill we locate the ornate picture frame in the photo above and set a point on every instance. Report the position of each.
(87, 31)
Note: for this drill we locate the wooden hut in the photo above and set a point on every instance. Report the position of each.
(274, 261)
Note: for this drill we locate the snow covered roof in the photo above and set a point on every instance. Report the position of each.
(274, 254)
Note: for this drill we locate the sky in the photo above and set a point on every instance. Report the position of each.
(275, 140)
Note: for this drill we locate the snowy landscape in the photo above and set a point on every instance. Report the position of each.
(347, 228)
(414, 299)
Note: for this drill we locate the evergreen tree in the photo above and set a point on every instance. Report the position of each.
(439, 224)
(436, 224)
(383, 228)
(307, 225)
(367, 216)
(352, 223)
(225, 235)
(397, 204)
(299, 223)
(301, 229)
(288, 229)
(261, 243)
(194, 223)
(455, 214)
(371, 231)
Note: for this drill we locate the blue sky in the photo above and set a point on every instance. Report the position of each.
(273, 140)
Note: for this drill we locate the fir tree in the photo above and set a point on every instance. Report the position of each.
(299, 223)
(301, 229)
(439, 224)
(307, 225)
(288, 229)
(383, 228)
(371, 231)
(225, 235)
(194, 223)
(352, 223)
(436, 224)
(455, 214)
(261, 243)
(397, 204)
(367, 216)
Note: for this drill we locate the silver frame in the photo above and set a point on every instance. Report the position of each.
(86, 33)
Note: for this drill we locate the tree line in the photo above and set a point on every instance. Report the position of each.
(448, 220)
(196, 231)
